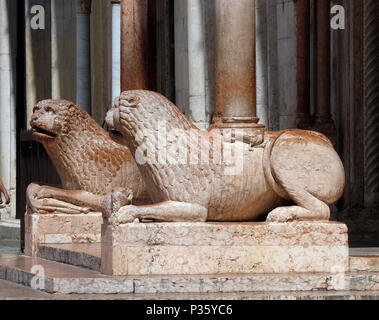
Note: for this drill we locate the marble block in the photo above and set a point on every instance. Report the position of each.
(61, 228)
(223, 248)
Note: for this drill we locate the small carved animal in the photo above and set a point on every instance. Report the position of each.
(89, 163)
(193, 175)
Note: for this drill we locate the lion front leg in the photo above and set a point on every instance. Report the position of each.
(167, 211)
(46, 199)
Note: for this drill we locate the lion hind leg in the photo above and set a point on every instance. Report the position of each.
(308, 171)
(308, 208)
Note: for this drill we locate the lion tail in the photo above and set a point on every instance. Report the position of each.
(267, 167)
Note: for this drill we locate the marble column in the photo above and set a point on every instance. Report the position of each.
(63, 49)
(134, 45)
(8, 105)
(235, 68)
(83, 54)
(190, 61)
(323, 118)
(37, 58)
(303, 61)
(116, 48)
(101, 59)
(262, 59)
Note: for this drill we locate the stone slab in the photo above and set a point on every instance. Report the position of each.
(10, 291)
(10, 230)
(86, 255)
(10, 246)
(224, 248)
(61, 228)
(364, 259)
(367, 264)
(64, 279)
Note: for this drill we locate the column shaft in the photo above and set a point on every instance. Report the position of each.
(323, 116)
(116, 48)
(235, 74)
(63, 49)
(190, 61)
(134, 45)
(83, 54)
(8, 104)
(302, 13)
(323, 60)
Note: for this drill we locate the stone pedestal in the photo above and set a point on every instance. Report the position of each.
(223, 248)
(60, 228)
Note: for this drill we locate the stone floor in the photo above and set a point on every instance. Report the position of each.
(9, 246)
(10, 236)
(10, 229)
(12, 291)
(69, 282)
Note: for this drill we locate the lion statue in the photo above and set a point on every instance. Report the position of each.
(194, 175)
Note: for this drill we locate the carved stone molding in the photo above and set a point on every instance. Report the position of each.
(371, 96)
(83, 6)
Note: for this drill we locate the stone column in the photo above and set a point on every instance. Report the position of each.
(235, 74)
(63, 49)
(262, 59)
(37, 58)
(323, 118)
(134, 45)
(302, 25)
(101, 59)
(8, 104)
(190, 60)
(83, 54)
(116, 48)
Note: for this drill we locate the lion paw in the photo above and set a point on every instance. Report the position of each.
(287, 214)
(113, 202)
(123, 218)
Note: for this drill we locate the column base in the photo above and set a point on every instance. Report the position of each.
(250, 133)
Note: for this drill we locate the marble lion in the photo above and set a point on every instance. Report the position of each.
(194, 175)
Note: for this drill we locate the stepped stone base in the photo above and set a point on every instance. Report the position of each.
(59, 278)
(224, 248)
(61, 228)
